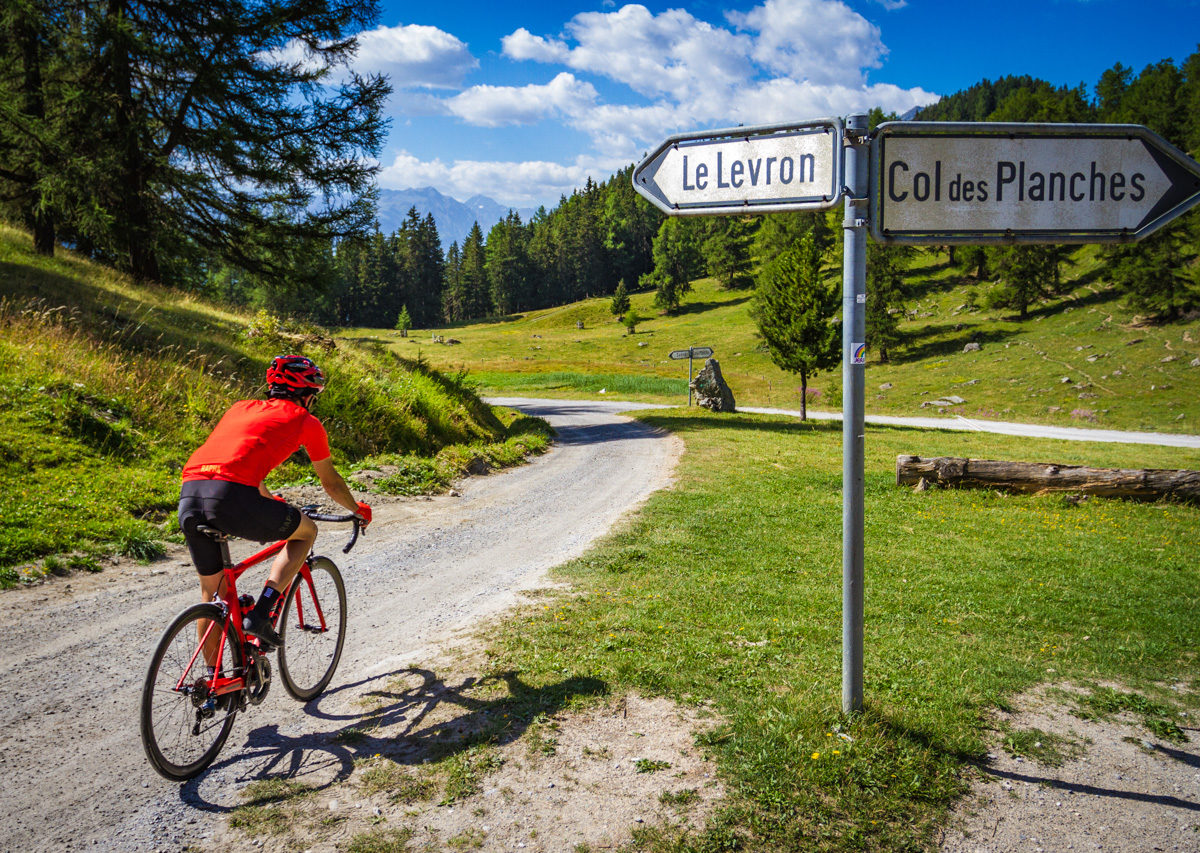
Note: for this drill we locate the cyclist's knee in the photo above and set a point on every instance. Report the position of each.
(305, 531)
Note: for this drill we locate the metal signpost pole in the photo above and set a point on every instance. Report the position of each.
(690, 355)
(854, 276)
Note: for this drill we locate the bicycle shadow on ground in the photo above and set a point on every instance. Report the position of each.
(410, 716)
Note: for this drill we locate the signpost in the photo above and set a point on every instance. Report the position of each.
(922, 183)
(691, 353)
(938, 183)
(745, 170)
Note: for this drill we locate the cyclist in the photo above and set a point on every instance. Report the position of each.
(223, 484)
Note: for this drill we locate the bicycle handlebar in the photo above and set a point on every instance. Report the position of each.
(311, 512)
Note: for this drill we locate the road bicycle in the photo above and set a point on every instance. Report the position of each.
(206, 669)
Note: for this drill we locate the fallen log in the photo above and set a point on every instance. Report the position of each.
(1145, 484)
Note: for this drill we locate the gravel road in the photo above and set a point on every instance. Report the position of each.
(72, 772)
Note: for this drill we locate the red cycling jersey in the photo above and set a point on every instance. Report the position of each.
(252, 438)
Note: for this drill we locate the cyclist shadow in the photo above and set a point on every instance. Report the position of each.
(412, 716)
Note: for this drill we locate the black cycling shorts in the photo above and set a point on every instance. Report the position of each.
(232, 508)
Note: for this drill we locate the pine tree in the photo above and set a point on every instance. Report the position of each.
(779, 232)
(453, 297)
(885, 296)
(403, 322)
(727, 252)
(211, 137)
(677, 260)
(477, 302)
(429, 264)
(620, 301)
(507, 262)
(1154, 274)
(1027, 274)
(794, 309)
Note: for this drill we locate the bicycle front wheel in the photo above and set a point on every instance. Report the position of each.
(183, 724)
(312, 626)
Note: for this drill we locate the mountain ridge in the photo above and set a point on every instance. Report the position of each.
(453, 218)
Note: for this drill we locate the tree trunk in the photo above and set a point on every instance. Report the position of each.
(137, 236)
(1147, 484)
(39, 218)
(803, 396)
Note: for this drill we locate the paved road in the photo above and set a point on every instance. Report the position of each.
(956, 423)
(960, 423)
(72, 772)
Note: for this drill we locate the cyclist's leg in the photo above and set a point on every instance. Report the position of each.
(287, 564)
(195, 509)
(288, 561)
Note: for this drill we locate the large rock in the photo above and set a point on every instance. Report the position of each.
(712, 392)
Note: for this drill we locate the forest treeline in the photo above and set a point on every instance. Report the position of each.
(227, 148)
(605, 235)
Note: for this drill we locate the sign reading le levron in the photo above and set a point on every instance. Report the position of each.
(745, 169)
(1025, 183)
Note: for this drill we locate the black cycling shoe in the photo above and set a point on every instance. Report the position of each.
(260, 627)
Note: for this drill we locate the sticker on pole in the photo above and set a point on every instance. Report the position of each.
(858, 353)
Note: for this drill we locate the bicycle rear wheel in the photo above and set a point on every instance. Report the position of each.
(312, 626)
(183, 726)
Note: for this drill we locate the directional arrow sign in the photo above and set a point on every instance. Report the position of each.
(694, 352)
(935, 182)
(745, 170)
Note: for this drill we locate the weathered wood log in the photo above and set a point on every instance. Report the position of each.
(1147, 484)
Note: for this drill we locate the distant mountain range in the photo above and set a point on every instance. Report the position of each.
(454, 218)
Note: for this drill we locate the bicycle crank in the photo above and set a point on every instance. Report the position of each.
(258, 680)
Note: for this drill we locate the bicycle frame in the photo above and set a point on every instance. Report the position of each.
(219, 684)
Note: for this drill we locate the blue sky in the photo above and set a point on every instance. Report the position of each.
(522, 102)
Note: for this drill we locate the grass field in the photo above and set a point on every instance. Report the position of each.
(1119, 373)
(106, 387)
(726, 592)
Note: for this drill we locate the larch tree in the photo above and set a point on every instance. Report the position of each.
(794, 311)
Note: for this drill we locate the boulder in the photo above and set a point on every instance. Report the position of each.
(972, 347)
(712, 392)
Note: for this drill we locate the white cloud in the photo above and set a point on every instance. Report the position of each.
(492, 106)
(781, 60)
(523, 44)
(671, 53)
(522, 184)
(415, 56)
(823, 41)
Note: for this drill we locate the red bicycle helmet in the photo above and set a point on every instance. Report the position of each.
(294, 373)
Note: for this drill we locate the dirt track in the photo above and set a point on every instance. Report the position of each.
(72, 772)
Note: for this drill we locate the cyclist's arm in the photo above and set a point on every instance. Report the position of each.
(333, 484)
(264, 491)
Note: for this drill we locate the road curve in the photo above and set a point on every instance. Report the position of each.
(72, 772)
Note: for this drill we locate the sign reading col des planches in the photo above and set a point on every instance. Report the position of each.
(745, 170)
(1025, 183)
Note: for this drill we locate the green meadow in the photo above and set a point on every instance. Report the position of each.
(725, 593)
(1082, 360)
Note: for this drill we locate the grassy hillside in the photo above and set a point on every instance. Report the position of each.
(725, 592)
(1121, 373)
(106, 388)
